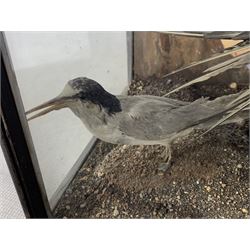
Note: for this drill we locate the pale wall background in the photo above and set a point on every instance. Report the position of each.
(44, 62)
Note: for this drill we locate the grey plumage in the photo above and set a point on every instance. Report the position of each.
(137, 120)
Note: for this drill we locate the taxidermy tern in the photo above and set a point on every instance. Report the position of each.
(136, 120)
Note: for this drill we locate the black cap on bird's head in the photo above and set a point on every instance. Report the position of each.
(80, 89)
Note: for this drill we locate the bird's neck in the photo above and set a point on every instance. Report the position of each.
(92, 115)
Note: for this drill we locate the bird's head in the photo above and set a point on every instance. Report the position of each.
(81, 89)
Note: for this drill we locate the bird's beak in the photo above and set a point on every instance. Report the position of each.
(53, 104)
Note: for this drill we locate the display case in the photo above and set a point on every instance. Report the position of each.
(63, 167)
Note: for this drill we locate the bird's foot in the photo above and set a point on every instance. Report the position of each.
(166, 155)
(164, 166)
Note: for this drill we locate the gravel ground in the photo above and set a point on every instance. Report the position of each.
(209, 177)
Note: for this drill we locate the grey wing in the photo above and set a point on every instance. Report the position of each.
(166, 100)
(150, 119)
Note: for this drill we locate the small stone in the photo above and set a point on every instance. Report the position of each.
(233, 85)
(223, 185)
(67, 207)
(178, 197)
(239, 166)
(103, 205)
(65, 217)
(116, 212)
(210, 182)
(100, 174)
(244, 210)
(83, 178)
(98, 215)
(83, 205)
(208, 188)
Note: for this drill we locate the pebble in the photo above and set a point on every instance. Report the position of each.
(244, 210)
(210, 182)
(239, 166)
(208, 188)
(99, 174)
(116, 212)
(98, 215)
(83, 205)
(233, 85)
(67, 207)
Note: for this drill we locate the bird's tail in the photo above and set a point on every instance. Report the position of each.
(232, 108)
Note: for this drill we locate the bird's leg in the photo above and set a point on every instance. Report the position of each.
(167, 155)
